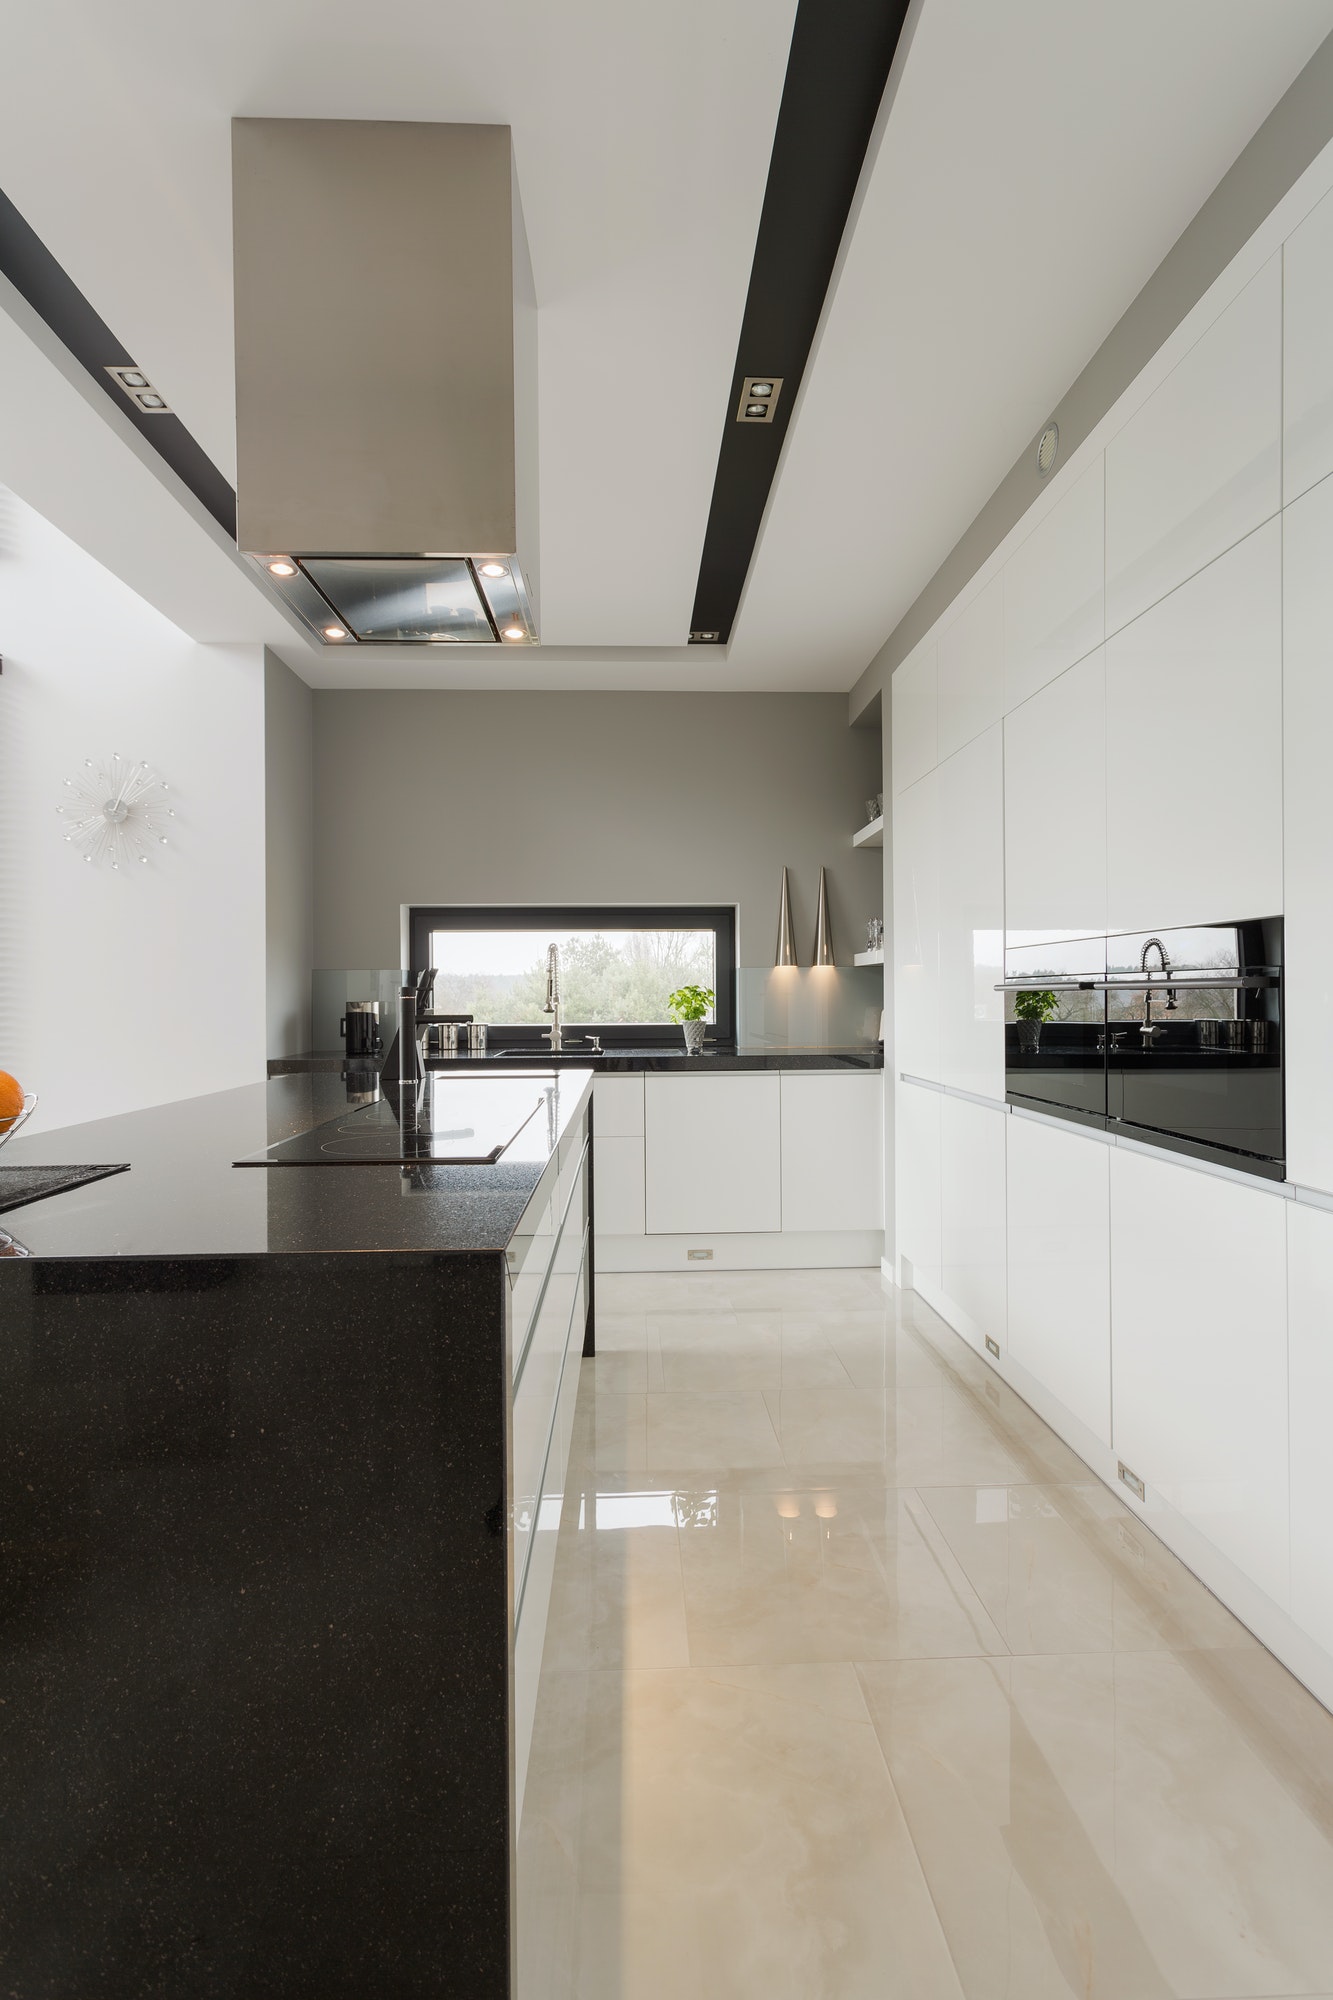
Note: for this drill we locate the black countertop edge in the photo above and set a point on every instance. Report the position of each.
(662, 1062)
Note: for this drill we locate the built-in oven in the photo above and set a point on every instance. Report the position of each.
(1172, 1037)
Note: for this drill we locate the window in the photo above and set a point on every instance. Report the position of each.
(617, 966)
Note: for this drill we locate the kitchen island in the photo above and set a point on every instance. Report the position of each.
(283, 1449)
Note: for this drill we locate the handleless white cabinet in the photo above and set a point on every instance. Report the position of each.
(832, 1151)
(1308, 807)
(916, 1183)
(912, 705)
(1194, 748)
(1197, 467)
(1055, 809)
(618, 1156)
(972, 1209)
(969, 672)
(916, 929)
(1199, 1345)
(971, 857)
(713, 1147)
(1310, 1343)
(1059, 1240)
(1054, 596)
(1307, 338)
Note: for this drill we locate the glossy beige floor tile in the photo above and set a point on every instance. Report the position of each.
(857, 1683)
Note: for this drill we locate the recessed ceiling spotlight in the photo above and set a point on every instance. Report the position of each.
(334, 632)
(1048, 444)
(514, 632)
(705, 638)
(282, 567)
(139, 389)
(492, 569)
(759, 399)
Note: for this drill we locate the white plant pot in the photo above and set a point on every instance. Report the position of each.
(693, 1032)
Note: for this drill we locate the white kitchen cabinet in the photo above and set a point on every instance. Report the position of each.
(1194, 748)
(618, 1182)
(713, 1154)
(832, 1150)
(618, 1106)
(969, 674)
(1308, 807)
(1310, 1347)
(972, 1209)
(971, 854)
(1198, 466)
(1058, 1231)
(1054, 590)
(917, 1182)
(916, 929)
(912, 703)
(1199, 1354)
(1307, 341)
(1055, 809)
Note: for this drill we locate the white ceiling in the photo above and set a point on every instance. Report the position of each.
(1037, 161)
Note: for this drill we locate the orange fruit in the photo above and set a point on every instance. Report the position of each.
(11, 1099)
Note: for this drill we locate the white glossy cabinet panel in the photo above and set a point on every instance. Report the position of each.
(832, 1151)
(917, 1180)
(1307, 337)
(970, 671)
(972, 1211)
(916, 929)
(713, 1154)
(618, 1106)
(971, 850)
(912, 696)
(1054, 594)
(1310, 1344)
(618, 1180)
(1308, 806)
(1199, 1340)
(1194, 748)
(1059, 1242)
(1197, 467)
(1055, 809)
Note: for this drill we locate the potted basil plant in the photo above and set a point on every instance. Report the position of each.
(1031, 1011)
(689, 1005)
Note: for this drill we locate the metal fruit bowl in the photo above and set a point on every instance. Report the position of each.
(29, 1106)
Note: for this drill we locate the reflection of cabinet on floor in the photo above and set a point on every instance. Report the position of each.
(762, 1169)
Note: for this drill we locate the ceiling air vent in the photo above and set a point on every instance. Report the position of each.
(759, 399)
(1048, 444)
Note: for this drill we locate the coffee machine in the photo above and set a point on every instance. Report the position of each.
(360, 1029)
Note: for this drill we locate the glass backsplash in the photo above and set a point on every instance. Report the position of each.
(822, 1007)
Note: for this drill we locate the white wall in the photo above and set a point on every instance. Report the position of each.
(124, 990)
(1123, 723)
(289, 780)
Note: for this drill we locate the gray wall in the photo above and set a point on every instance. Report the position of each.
(290, 852)
(437, 797)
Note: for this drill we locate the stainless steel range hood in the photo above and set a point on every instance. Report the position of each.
(386, 379)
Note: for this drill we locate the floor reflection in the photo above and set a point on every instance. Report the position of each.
(857, 1683)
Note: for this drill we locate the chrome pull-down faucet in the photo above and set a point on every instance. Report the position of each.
(553, 1005)
(1149, 1028)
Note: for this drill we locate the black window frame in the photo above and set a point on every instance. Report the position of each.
(720, 918)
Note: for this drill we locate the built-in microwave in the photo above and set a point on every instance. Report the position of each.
(1173, 1037)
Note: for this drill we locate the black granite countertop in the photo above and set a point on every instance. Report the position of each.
(666, 1062)
(184, 1197)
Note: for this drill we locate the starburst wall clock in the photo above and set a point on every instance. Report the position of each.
(115, 812)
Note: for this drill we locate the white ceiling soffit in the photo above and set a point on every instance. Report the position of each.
(642, 136)
(1037, 162)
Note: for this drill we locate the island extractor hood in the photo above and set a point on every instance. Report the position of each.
(386, 379)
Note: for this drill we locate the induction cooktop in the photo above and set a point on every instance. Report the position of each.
(449, 1121)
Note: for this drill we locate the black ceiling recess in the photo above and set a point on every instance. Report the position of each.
(841, 53)
(55, 298)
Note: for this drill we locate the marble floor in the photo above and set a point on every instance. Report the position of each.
(857, 1683)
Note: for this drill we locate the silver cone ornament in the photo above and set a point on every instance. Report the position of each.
(823, 935)
(785, 952)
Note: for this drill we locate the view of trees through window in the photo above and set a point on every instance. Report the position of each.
(605, 976)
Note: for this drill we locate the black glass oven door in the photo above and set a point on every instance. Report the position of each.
(1054, 1033)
